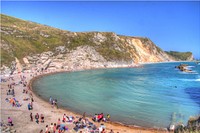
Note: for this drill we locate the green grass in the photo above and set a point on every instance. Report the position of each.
(179, 55)
(32, 42)
(6, 58)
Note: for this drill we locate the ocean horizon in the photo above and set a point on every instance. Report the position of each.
(155, 95)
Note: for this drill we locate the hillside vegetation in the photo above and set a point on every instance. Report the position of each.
(181, 55)
(21, 38)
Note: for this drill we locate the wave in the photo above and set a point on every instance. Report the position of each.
(191, 72)
(190, 79)
(197, 79)
(190, 66)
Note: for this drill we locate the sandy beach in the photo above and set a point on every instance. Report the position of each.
(21, 115)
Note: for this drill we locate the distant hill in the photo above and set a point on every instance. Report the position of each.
(25, 39)
(184, 56)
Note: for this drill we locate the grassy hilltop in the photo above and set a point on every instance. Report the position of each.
(21, 38)
(181, 55)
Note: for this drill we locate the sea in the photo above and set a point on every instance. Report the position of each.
(154, 95)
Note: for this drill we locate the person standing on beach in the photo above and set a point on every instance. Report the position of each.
(58, 123)
(56, 104)
(50, 100)
(64, 118)
(37, 118)
(84, 115)
(108, 117)
(54, 128)
(13, 92)
(29, 106)
(47, 129)
(42, 118)
(32, 99)
(51, 127)
(31, 116)
(8, 93)
(53, 103)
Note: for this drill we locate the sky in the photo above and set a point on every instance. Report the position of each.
(171, 25)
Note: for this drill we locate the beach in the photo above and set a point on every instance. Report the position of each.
(21, 115)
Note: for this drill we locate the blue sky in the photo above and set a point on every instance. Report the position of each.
(170, 25)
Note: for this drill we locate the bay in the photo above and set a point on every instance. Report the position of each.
(152, 96)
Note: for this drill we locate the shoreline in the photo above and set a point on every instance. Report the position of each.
(164, 62)
(63, 108)
(116, 126)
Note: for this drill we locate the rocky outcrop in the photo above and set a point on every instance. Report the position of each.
(194, 123)
(193, 126)
(183, 67)
(83, 57)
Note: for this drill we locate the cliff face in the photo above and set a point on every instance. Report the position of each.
(144, 50)
(38, 45)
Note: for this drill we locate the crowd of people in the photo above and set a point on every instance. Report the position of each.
(14, 102)
(100, 117)
(78, 124)
(53, 102)
(10, 91)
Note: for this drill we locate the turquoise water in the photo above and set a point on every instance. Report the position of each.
(152, 96)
